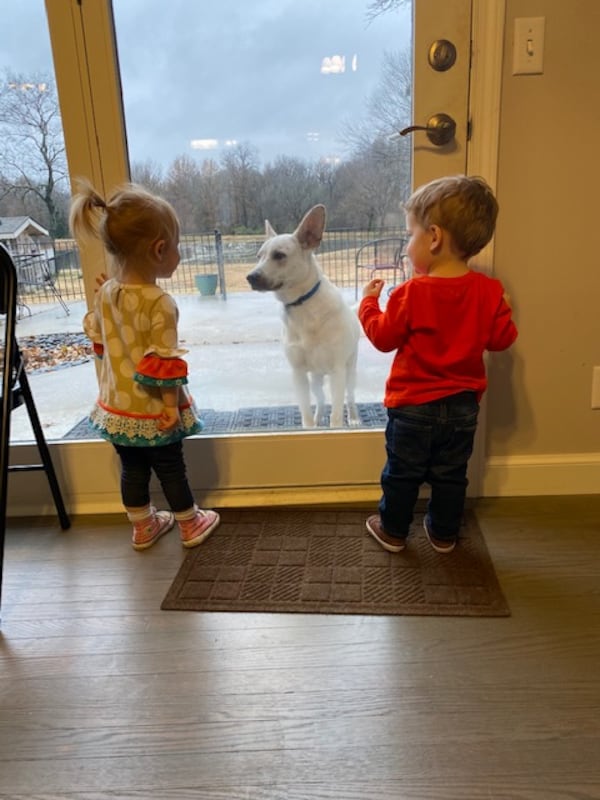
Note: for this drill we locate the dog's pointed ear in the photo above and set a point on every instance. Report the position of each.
(269, 232)
(310, 231)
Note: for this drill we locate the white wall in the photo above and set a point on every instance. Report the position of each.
(542, 435)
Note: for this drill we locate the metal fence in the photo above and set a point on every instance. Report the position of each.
(52, 270)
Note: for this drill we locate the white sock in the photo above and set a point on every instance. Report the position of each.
(138, 514)
(184, 516)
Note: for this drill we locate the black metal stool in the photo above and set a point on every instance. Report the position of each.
(16, 392)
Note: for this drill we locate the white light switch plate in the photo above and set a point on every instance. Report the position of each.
(528, 45)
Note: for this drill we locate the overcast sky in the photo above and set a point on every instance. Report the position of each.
(243, 70)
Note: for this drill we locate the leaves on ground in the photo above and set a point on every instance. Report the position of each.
(52, 351)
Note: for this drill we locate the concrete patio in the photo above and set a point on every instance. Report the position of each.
(235, 360)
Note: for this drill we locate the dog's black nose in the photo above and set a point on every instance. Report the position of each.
(255, 279)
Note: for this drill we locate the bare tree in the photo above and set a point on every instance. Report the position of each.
(370, 187)
(327, 177)
(210, 194)
(377, 7)
(290, 188)
(32, 148)
(148, 174)
(388, 108)
(242, 183)
(182, 189)
(379, 162)
(390, 105)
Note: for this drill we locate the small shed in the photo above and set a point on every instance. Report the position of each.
(31, 249)
(24, 236)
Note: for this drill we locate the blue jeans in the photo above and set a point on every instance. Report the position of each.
(137, 464)
(429, 443)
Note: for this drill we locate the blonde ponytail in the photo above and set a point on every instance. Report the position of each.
(86, 207)
(127, 223)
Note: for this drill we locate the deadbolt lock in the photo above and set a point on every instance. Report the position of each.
(442, 55)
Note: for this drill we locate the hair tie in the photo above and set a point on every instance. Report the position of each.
(98, 202)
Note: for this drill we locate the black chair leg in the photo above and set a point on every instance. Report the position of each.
(15, 390)
(44, 451)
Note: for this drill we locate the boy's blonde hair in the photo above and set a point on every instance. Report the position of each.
(462, 205)
(127, 224)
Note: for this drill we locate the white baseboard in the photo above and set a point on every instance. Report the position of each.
(217, 498)
(543, 474)
(503, 476)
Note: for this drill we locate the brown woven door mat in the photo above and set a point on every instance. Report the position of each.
(323, 561)
(300, 561)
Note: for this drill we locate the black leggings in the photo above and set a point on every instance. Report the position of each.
(137, 464)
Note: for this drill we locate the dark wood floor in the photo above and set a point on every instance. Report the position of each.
(102, 695)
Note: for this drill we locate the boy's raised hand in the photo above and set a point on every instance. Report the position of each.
(373, 288)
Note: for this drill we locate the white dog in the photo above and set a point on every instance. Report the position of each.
(321, 332)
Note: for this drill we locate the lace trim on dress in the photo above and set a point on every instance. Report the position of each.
(142, 432)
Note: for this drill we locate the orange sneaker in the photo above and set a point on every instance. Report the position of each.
(194, 531)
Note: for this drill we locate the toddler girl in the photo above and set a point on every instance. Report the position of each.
(143, 407)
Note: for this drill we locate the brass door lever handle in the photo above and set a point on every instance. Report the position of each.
(440, 129)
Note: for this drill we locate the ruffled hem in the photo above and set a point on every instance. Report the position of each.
(142, 432)
(154, 368)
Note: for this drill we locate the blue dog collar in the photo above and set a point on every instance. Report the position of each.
(304, 297)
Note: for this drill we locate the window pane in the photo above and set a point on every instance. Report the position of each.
(34, 198)
(240, 113)
(236, 115)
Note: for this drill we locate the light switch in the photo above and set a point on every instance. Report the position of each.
(528, 46)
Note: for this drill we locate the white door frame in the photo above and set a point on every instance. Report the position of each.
(487, 48)
(256, 469)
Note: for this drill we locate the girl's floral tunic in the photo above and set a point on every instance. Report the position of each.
(134, 333)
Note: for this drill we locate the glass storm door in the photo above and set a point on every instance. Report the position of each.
(308, 116)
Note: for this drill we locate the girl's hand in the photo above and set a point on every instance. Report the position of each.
(169, 419)
(373, 288)
(101, 279)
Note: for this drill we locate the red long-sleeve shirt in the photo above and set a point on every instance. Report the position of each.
(441, 328)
